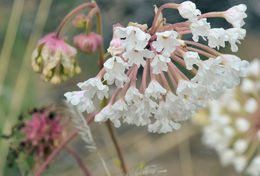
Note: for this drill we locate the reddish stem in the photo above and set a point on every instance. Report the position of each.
(167, 5)
(212, 51)
(78, 159)
(118, 150)
(71, 13)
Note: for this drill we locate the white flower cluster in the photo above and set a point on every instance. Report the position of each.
(216, 36)
(166, 95)
(233, 128)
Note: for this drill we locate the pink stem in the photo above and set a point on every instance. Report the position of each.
(185, 32)
(164, 81)
(144, 76)
(212, 51)
(176, 71)
(167, 5)
(61, 146)
(79, 161)
(101, 73)
(211, 15)
(71, 13)
(173, 81)
(182, 63)
(201, 52)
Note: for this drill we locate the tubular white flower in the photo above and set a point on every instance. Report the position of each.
(234, 69)
(94, 86)
(217, 37)
(78, 99)
(155, 90)
(188, 10)
(163, 122)
(166, 42)
(115, 71)
(191, 58)
(234, 35)
(235, 15)
(135, 38)
(199, 28)
(159, 64)
(137, 56)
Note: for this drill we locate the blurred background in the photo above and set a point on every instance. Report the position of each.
(24, 22)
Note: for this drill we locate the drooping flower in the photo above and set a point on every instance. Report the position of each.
(188, 10)
(166, 94)
(88, 43)
(55, 59)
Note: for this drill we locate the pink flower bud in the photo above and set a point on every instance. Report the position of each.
(88, 43)
(55, 59)
(79, 21)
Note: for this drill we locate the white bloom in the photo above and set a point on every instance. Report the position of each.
(116, 46)
(166, 42)
(115, 71)
(210, 75)
(247, 86)
(234, 35)
(227, 157)
(234, 69)
(251, 105)
(163, 122)
(254, 68)
(119, 109)
(159, 64)
(193, 92)
(191, 58)
(188, 10)
(135, 38)
(105, 114)
(236, 14)
(94, 86)
(254, 169)
(240, 146)
(82, 102)
(242, 124)
(155, 90)
(217, 37)
(180, 108)
(137, 56)
(239, 163)
(199, 28)
(132, 95)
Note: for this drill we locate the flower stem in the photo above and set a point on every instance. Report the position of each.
(210, 50)
(71, 13)
(78, 159)
(167, 5)
(118, 150)
(59, 148)
(99, 31)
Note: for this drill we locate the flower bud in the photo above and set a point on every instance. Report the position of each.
(79, 21)
(54, 59)
(88, 43)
